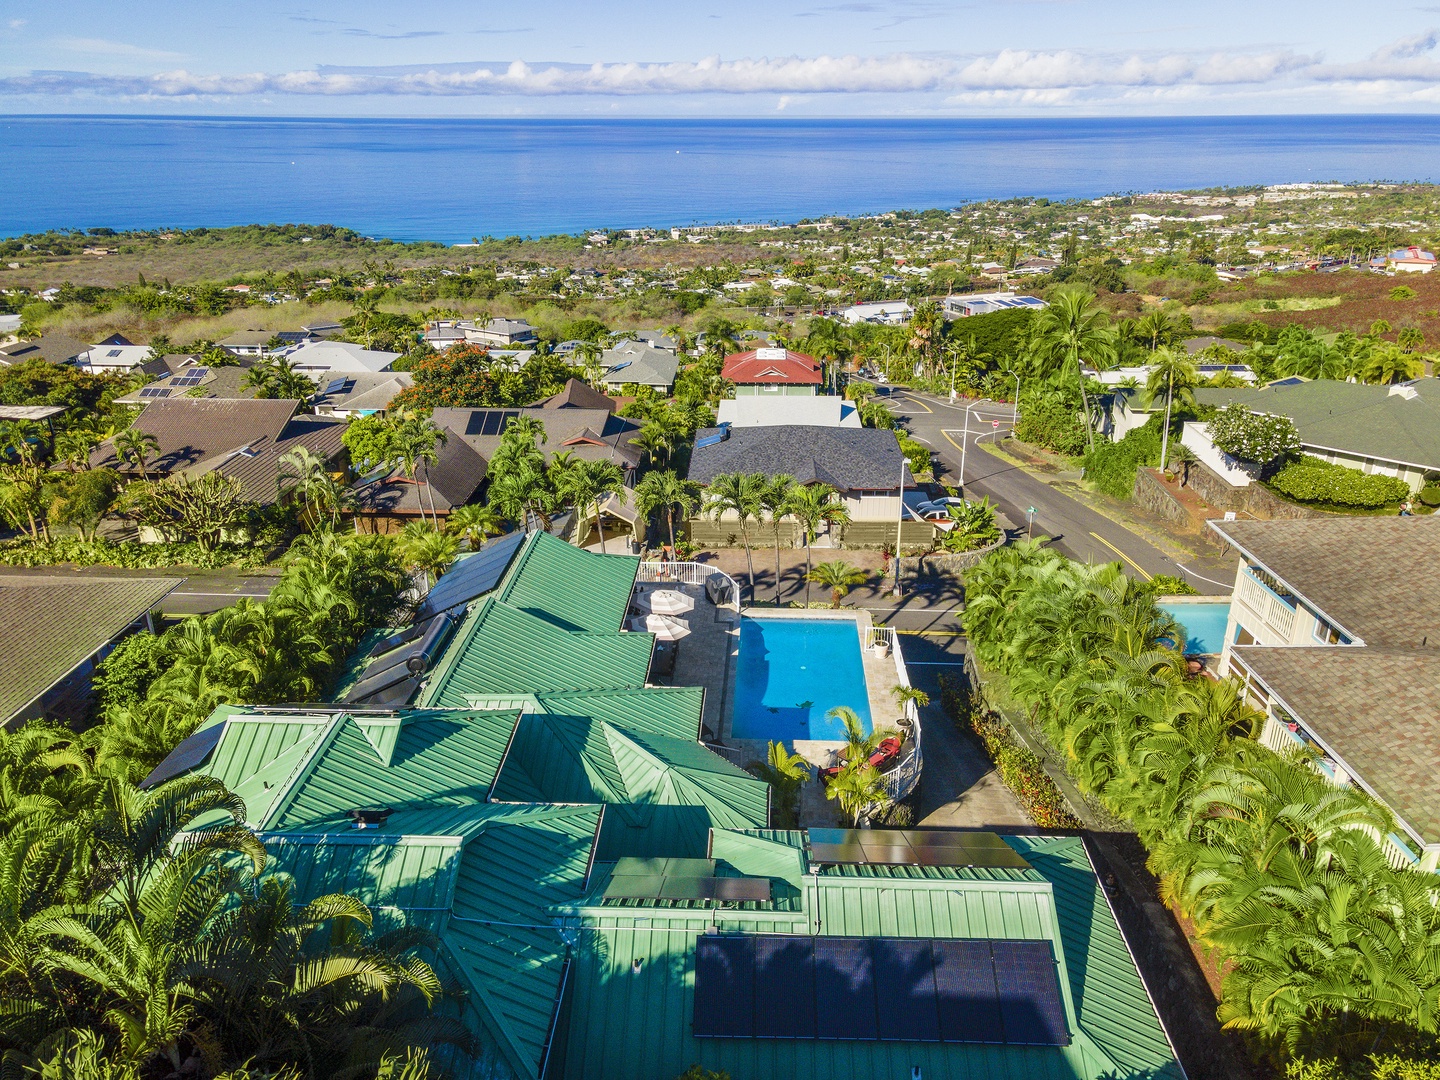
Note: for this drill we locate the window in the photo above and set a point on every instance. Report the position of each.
(1327, 634)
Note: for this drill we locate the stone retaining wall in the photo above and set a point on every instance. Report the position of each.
(1151, 494)
(1254, 499)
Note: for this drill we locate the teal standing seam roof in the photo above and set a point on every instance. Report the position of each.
(660, 710)
(501, 650)
(630, 1020)
(495, 872)
(569, 587)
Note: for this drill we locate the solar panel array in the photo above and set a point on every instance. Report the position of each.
(489, 421)
(193, 377)
(680, 879)
(912, 847)
(472, 576)
(339, 386)
(155, 392)
(189, 754)
(779, 986)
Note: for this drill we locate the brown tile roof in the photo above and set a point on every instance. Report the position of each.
(1377, 708)
(192, 430)
(258, 469)
(453, 480)
(52, 624)
(1377, 578)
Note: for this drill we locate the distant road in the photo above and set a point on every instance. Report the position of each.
(1078, 531)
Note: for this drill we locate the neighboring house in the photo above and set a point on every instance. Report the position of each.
(1410, 260)
(588, 434)
(773, 371)
(993, 270)
(251, 342)
(1335, 629)
(360, 394)
(962, 307)
(54, 348)
(863, 465)
(889, 313)
(577, 395)
(56, 629)
(822, 410)
(1037, 266)
(657, 340)
(241, 438)
(323, 329)
(500, 333)
(10, 325)
(181, 376)
(109, 358)
(634, 362)
(386, 503)
(341, 357)
(442, 334)
(1388, 430)
(508, 815)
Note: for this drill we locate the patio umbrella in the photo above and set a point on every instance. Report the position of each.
(664, 627)
(667, 602)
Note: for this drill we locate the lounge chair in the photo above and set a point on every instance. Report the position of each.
(889, 748)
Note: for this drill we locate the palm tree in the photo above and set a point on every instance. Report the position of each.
(1069, 332)
(903, 695)
(1171, 369)
(1387, 364)
(1156, 327)
(775, 502)
(427, 549)
(664, 491)
(738, 494)
(473, 524)
(839, 577)
(813, 505)
(785, 773)
(657, 440)
(416, 442)
(73, 447)
(306, 472)
(135, 447)
(588, 484)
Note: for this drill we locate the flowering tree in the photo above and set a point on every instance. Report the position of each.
(1257, 437)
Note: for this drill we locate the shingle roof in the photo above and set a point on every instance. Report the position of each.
(1377, 708)
(54, 348)
(758, 366)
(845, 458)
(576, 395)
(259, 469)
(453, 480)
(1375, 578)
(1369, 421)
(481, 428)
(361, 391)
(217, 382)
(190, 430)
(50, 624)
(246, 339)
(637, 362)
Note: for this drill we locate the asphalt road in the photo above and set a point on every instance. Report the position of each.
(1077, 530)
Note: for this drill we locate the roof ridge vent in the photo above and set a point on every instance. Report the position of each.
(1404, 390)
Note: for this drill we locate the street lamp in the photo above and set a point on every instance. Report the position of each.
(899, 521)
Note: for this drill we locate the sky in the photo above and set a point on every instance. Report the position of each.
(681, 58)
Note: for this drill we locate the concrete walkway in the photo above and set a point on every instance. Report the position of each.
(959, 788)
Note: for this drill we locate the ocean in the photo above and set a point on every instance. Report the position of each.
(452, 180)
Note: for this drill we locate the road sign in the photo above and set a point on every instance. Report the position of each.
(994, 423)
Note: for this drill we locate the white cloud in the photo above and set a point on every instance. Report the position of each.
(102, 47)
(1012, 76)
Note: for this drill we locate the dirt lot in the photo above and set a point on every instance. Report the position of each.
(1363, 298)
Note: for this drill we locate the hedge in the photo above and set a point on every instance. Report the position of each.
(71, 549)
(1111, 467)
(1311, 480)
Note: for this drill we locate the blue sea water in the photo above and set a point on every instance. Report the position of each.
(791, 673)
(454, 179)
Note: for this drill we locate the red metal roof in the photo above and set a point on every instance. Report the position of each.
(772, 366)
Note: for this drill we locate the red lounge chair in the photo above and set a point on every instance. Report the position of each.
(887, 749)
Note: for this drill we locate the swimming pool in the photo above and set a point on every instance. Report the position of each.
(1204, 622)
(791, 673)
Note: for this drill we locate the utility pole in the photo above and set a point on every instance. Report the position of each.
(899, 522)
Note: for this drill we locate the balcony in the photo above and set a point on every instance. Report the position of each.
(1275, 613)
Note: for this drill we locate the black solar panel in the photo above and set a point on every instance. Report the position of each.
(737, 888)
(785, 987)
(887, 989)
(1030, 1006)
(472, 576)
(905, 989)
(724, 986)
(190, 754)
(680, 879)
(912, 847)
(395, 640)
(844, 989)
(968, 1005)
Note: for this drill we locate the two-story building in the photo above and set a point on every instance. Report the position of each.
(1331, 627)
(773, 371)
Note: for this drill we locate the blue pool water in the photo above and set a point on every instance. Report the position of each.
(1204, 624)
(791, 673)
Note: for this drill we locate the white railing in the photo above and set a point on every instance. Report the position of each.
(689, 573)
(901, 780)
(1278, 616)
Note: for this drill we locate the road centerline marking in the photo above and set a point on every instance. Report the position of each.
(1138, 568)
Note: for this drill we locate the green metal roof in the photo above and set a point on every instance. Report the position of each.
(449, 869)
(667, 792)
(628, 1024)
(572, 588)
(502, 650)
(660, 710)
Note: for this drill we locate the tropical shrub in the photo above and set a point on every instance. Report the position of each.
(1257, 437)
(1430, 495)
(1326, 949)
(917, 454)
(1051, 418)
(1111, 466)
(1311, 480)
(132, 555)
(974, 526)
(1170, 585)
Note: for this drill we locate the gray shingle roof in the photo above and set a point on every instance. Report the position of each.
(453, 479)
(1366, 420)
(191, 430)
(1379, 709)
(51, 624)
(1377, 578)
(845, 458)
(56, 348)
(637, 362)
